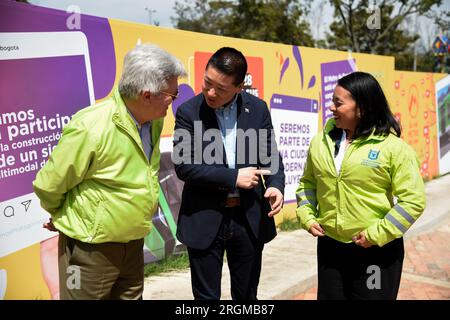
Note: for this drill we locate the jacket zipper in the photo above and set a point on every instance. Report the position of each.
(119, 124)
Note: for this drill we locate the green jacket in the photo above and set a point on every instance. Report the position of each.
(360, 198)
(98, 185)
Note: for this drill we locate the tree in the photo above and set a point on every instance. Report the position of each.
(441, 19)
(275, 21)
(362, 27)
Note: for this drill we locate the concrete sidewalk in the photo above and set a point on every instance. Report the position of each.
(426, 267)
(289, 261)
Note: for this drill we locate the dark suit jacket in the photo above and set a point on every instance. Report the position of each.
(207, 185)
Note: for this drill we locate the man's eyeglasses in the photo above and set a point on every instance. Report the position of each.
(173, 96)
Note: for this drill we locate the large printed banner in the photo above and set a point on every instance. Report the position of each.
(51, 68)
(31, 123)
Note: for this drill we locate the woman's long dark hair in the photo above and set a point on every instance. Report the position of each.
(372, 103)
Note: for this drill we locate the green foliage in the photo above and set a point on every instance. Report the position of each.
(171, 263)
(279, 21)
(350, 29)
(425, 61)
(289, 225)
(441, 19)
(394, 36)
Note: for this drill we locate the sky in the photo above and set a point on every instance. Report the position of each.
(142, 11)
(135, 10)
(129, 10)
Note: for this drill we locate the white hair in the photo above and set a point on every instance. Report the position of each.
(147, 67)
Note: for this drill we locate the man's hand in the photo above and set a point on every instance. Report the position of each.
(361, 240)
(49, 225)
(316, 230)
(248, 178)
(276, 200)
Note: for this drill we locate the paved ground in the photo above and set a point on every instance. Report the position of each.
(426, 268)
(289, 261)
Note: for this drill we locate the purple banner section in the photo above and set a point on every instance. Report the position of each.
(331, 72)
(279, 101)
(20, 17)
(185, 92)
(37, 98)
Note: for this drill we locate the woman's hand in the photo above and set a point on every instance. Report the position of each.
(361, 240)
(316, 230)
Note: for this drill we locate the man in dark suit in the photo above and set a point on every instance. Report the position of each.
(225, 152)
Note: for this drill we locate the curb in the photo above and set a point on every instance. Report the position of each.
(426, 226)
(302, 286)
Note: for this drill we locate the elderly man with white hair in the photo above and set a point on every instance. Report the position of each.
(100, 184)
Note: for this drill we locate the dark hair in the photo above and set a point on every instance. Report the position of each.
(372, 103)
(230, 62)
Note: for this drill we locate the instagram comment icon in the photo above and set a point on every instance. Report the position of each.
(2, 283)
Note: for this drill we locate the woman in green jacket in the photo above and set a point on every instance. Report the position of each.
(360, 192)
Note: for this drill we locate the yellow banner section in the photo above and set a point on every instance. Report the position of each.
(413, 101)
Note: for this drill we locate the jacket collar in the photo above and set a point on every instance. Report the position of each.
(331, 126)
(121, 114)
(208, 115)
(122, 118)
(209, 119)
